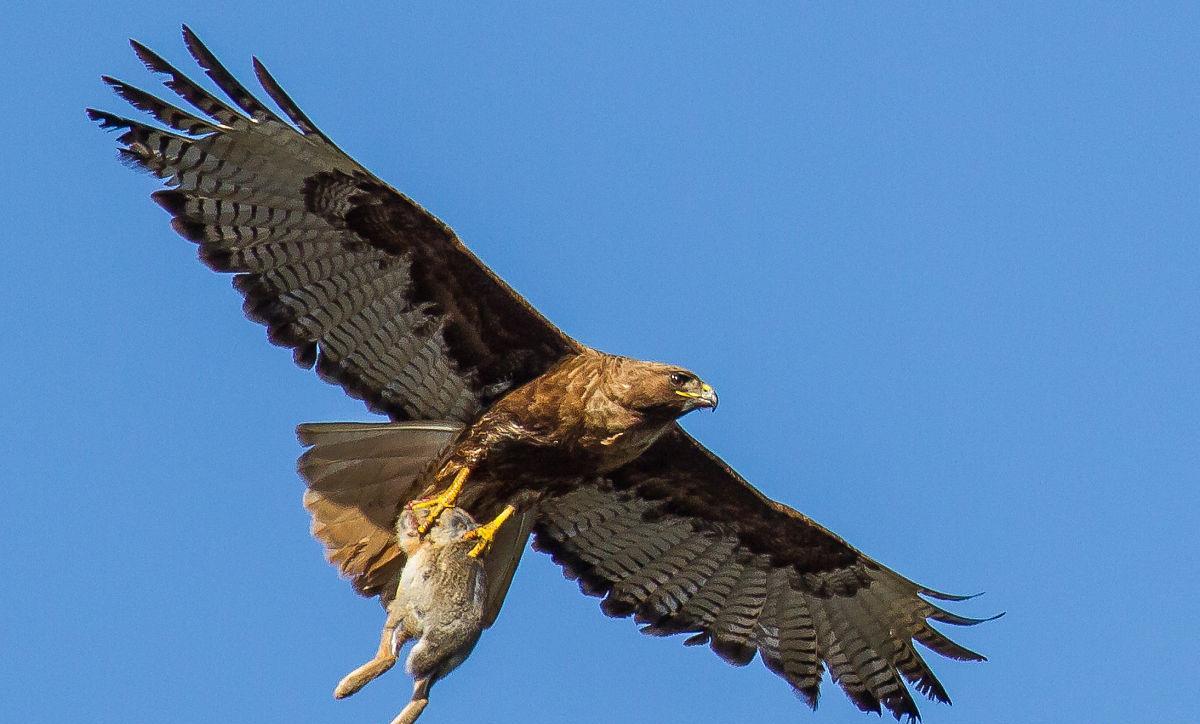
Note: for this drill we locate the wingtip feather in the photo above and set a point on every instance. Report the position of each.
(942, 596)
(943, 616)
(108, 121)
(153, 61)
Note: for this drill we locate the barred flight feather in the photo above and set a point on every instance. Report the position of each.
(819, 603)
(321, 242)
(896, 649)
(635, 591)
(734, 627)
(836, 640)
(164, 112)
(800, 653)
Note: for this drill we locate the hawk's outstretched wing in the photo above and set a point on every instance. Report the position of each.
(678, 540)
(385, 301)
(351, 274)
(684, 544)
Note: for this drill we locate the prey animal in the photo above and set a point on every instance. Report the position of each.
(438, 601)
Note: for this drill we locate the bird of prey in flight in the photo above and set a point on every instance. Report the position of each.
(491, 405)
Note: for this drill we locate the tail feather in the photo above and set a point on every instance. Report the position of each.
(359, 475)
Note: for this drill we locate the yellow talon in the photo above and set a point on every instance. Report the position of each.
(487, 533)
(439, 503)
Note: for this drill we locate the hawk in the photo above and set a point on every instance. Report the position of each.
(382, 298)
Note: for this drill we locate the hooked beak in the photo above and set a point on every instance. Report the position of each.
(706, 397)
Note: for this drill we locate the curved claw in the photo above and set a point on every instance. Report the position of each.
(487, 533)
(439, 503)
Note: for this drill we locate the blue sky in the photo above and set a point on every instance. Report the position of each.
(941, 264)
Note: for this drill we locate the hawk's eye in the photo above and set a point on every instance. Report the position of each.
(680, 379)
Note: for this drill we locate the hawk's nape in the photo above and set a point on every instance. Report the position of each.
(384, 300)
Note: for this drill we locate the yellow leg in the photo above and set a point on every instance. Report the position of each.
(441, 502)
(487, 533)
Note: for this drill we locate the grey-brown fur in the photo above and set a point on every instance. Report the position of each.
(439, 602)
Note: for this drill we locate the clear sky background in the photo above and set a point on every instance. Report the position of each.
(941, 263)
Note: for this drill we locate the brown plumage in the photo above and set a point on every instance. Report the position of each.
(590, 413)
(384, 300)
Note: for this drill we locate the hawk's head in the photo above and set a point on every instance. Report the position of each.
(658, 390)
